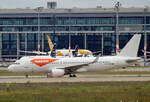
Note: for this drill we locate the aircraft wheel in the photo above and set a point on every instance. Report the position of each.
(72, 75)
(48, 75)
(27, 76)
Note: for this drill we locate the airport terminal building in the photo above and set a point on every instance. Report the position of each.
(90, 28)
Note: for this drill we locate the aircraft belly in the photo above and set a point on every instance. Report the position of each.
(23, 69)
(97, 67)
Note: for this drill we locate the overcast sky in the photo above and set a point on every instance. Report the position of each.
(72, 3)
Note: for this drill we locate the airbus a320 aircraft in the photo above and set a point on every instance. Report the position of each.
(60, 66)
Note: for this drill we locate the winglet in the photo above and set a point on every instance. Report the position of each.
(96, 59)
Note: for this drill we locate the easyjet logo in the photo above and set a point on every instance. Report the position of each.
(42, 62)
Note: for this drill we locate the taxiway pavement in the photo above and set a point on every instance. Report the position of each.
(79, 78)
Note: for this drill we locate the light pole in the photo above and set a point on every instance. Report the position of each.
(54, 25)
(102, 41)
(69, 11)
(38, 10)
(85, 39)
(145, 36)
(117, 6)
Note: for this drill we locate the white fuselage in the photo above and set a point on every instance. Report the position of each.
(46, 63)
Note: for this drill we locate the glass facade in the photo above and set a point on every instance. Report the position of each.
(131, 20)
(76, 27)
(9, 44)
(148, 47)
(108, 41)
(94, 42)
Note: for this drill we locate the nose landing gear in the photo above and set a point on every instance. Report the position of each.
(27, 76)
(48, 75)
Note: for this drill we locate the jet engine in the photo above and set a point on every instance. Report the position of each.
(57, 72)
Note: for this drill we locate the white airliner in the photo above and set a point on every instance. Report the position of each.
(60, 66)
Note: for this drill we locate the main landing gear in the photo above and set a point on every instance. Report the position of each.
(72, 75)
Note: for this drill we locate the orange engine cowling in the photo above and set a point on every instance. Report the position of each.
(57, 73)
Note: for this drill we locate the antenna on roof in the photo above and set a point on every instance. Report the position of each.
(51, 5)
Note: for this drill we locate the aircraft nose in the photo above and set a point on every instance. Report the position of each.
(10, 68)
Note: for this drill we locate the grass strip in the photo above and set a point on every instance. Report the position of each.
(76, 92)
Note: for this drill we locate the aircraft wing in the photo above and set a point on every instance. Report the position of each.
(96, 52)
(75, 67)
(33, 52)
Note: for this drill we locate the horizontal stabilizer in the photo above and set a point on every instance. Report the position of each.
(132, 61)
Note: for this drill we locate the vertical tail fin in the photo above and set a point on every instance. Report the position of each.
(53, 52)
(131, 47)
(50, 43)
(75, 52)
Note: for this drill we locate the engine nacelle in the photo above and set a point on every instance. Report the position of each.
(57, 73)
